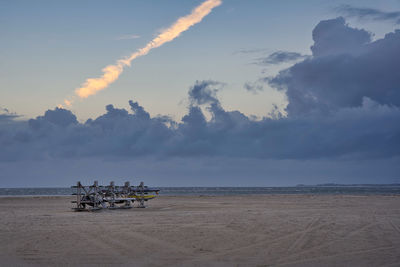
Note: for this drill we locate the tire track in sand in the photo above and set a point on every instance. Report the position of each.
(327, 244)
(267, 243)
(301, 239)
(393, 225)
(125, 242)
(362, 251)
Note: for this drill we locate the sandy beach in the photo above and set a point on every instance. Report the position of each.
(277, 230)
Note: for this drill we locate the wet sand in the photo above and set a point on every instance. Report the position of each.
(278, 230)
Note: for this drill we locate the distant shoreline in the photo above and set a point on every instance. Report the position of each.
(349, 185)
(321, 189)
(206, 187)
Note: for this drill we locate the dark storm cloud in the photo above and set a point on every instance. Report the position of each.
(204, 92)
(369, 13)
(343, 104)
(58, 116)
(6, 115)
(123, 135)
(279, 57)
(334, 37)
(345, 67)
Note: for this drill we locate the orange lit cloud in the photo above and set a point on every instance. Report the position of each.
(111, 73)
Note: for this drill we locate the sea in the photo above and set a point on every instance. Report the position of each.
(218, 191)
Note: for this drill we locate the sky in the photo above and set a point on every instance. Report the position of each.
(257, 93)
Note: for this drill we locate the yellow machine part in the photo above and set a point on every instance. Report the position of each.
(142, 197)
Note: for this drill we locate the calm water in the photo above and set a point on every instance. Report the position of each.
(213, 191)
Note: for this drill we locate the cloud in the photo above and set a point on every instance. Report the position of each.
(345, 67)
(334, 36)
(254, 87)
(369, 13)
(279, 57)
(58, 116)
(128, 37)
(6, 115)
(120, 134)
(112, 72)
(204, 92)
(343, 107)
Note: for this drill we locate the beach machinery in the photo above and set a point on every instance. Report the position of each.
(96, 197)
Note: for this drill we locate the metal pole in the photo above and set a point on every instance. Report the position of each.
(78, 195)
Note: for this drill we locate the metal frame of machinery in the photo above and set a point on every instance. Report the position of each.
(96, 197)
